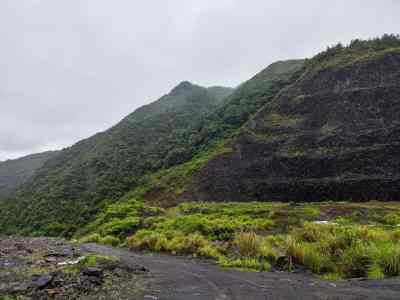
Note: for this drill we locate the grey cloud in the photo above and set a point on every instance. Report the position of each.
(71, 68)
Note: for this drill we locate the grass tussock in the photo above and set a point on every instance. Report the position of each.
(353, 239)
(347, 251)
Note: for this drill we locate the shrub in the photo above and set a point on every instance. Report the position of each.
(209, 251)
(347, 250)
(396, 235)
(92, 238)
(174, 242)
(120, 226)
(93, 260)
(144, 240)
(389, 258)
(110, 240)
(227, 232)
(369, 234)
(246, 264)
(311, 211)
(375, 272)
(189, 244)
(267, 251)
(294, 249)
(247, 243)
(391, 219)
(310, 256)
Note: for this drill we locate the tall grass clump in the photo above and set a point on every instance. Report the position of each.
(347, 251)
(247, 243)
(173, 242)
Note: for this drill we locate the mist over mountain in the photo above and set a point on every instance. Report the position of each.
(14, 173)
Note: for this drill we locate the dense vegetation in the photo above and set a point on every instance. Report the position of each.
(14, 173)
(71, 187)
(334, 240)
(118, 183)
(357, 50)
(189, 122)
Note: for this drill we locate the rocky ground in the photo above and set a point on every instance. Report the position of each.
(182, 278)
(42, 268)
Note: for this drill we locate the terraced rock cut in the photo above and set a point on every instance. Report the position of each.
(332, 135)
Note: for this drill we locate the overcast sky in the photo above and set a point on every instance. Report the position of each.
(71, 68)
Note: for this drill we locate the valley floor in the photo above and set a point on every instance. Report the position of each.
(179, 278)
(42, 268)
(335, 240)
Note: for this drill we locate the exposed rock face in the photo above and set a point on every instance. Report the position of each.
(333, 135)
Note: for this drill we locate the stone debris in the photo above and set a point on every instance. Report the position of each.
(43, 268)
(71, 262)
(325, 223)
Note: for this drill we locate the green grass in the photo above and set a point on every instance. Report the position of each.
(346, 250)
(246, 264)
(93, 260)
(357, 239)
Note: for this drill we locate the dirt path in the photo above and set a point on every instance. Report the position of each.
(186, 279)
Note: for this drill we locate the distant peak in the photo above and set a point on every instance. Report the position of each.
(184, 84)
(182, 87)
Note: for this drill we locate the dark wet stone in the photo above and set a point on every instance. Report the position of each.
(282, 262)
(51, 259)
(16, 287)
(43, 281)
(95, 280)
(96, 272)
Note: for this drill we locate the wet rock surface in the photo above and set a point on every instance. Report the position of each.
(183, 278)
(111, 273)
(333, 135)
(43, 268)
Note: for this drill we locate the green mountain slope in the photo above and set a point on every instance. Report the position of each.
(72, 186)
(14, 173)
(332, 132)
(168, 186)
(324, 128)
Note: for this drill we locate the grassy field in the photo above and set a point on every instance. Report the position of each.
(332, 239)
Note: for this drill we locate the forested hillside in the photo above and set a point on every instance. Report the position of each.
(326, 128)
(14, 173)
(71, 187)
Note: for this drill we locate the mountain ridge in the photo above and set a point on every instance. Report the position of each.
(72, 186)
(16, 172)
(325, 128)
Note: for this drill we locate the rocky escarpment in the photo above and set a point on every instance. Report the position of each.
(333, 135)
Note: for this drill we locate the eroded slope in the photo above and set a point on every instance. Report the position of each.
(333, 135)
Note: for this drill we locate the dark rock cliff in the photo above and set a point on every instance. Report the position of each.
(333, 135)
